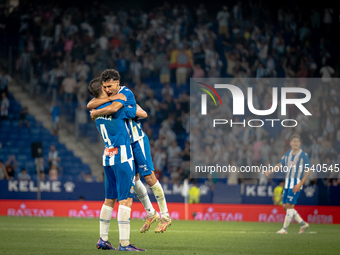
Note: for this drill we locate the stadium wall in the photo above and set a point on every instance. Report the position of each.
(241, 194)
(178, 211)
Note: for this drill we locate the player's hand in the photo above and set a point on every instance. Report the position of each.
(267, 174)
(93, 114)
(296, 188)
(118, 96)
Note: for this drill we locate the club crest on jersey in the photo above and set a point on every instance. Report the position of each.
(132, 190)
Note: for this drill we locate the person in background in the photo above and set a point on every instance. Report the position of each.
(53, 173)
(53, 158)
(23, 175)
(55, 113)
(39, 164)
(22, 117)
(4, 106)
(11, 164)
(3, 172)
(277, 196)
(194, 193)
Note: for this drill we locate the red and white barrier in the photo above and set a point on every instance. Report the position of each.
(213, 212)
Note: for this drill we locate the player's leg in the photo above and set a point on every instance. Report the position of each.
(157, 189)
(143, 196)
(142, 166)
(148, 173)
(296, 216)
(303, 225)
(152, 214)
(285, 207)
(125, 174)
(289, 200)
(289, 216)
(107, 208)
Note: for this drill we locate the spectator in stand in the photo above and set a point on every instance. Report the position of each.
(4, 106)
(136, 69)
(174, 149)
(159, 159)
(198, 72)
(53, 173)
(68, 87)
(82, 70)
(164, 75)
(39, 164)
(11, 164)
(223, 17)
(3, 172)
(82, 91)
(326, 74)
(186, 152)
(22, 118)
(55, 113)
(42, 176)
(25, 58)
(60, 73)
(53, 157)
(167, 91)
(151, 105)
(5, 80)
(23, 175)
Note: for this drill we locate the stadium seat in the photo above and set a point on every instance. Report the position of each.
(17, 141)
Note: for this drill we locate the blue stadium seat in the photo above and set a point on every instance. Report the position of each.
(18, 141)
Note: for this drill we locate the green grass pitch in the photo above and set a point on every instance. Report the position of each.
(21, 235)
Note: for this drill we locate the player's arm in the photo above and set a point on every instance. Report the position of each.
(96, 102)
(110, 109)
(132, 112)
(140, 113)
(276, 168)
(297, 187)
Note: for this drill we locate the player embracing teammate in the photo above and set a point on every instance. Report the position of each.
(116, 112)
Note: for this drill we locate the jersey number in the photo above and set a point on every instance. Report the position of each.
(104, 134)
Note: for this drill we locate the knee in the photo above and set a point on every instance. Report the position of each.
(110, 202)
(150, 179)
(290, 206)
(126, 202)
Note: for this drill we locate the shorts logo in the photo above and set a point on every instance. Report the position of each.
(132, 190)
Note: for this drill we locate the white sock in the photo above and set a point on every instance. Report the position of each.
(104, 223)
(288, 218)
(123, 218)
(159, 194)
(298, 218)
(143, 196)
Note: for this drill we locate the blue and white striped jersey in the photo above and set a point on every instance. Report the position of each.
(295, 166)
(135, 128)
(114, 133)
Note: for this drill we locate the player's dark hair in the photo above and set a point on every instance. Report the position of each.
(110, 74)
(95, 87)
(294, 136)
